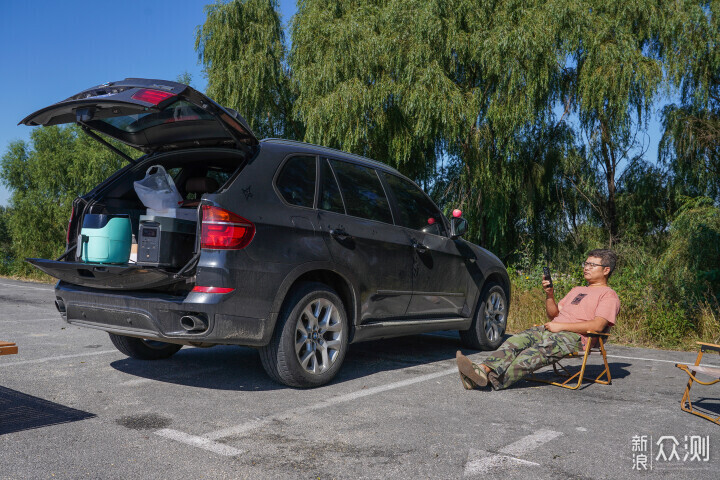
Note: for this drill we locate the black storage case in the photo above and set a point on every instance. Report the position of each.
(165, 241)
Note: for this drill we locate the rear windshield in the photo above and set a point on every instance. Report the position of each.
(179, 111)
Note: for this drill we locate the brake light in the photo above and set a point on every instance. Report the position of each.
(67, 235)
(223, 230)
(151, 96)
(212, 289)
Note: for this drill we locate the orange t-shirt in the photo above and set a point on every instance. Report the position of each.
(583, 304)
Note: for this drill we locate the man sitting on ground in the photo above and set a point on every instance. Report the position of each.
(593, 307)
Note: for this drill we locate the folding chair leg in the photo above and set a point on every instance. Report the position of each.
(580, 374)
(685, 403)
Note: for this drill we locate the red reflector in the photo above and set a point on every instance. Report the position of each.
(223, 230)
(212, 289)
(151, 96)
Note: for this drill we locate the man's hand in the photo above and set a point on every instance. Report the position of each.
(549, 291)
(553, 327)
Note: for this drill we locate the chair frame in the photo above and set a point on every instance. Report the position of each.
(685, 403)
(580, 375)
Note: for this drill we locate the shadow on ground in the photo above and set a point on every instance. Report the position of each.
(239, 368)
(19, 411)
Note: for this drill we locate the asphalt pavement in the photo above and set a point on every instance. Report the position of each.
(71, 406)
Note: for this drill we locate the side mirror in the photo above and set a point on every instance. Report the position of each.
(458, 227)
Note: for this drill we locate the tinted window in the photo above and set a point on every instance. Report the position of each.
(362, 191)
(180, 111)
(330, 198)
(296, 181)
(416, 210)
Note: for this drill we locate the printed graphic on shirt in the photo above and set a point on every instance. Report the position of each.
(578, 299)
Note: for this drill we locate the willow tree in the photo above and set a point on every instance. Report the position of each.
(242, 48)
(425, 84)
(691, 52)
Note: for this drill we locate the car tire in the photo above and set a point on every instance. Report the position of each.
(310, 339)
(142, 349)
(488, 327)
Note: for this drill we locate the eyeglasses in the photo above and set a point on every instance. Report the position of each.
(591, 265)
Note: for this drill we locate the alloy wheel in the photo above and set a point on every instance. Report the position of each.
(318, 336)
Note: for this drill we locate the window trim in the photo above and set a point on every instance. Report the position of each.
(279, 194)
(337, 182)
(396, 205)
(382, 185)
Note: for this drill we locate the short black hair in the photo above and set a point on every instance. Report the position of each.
(608, 257)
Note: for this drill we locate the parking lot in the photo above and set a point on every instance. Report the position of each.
(71, 406)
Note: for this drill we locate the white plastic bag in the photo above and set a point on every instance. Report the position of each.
(157, 190)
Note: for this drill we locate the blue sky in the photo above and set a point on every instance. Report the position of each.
(52, 49)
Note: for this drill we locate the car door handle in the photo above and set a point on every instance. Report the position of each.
(419, 247)
(340, 234)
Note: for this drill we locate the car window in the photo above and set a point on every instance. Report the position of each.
(179, 111)
(416, 210)
(296, 181)
(330, 198)
(362, 191)
(219, 176)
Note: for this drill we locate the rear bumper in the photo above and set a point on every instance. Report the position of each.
(157, 316)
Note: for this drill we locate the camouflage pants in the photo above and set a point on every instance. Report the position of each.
(526, 352)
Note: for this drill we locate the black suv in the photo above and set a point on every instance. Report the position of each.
(295, 249)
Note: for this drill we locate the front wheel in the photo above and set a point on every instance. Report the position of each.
(142, 349)
(310, 338)
(488, 326)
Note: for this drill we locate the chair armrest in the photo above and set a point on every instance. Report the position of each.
(593, 333)
(709, 347)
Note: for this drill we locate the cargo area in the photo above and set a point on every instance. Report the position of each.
(120, 241)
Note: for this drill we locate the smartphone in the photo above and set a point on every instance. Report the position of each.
(546, 276)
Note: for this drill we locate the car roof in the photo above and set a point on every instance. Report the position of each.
(339, 154)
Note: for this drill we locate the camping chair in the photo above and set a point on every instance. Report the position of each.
(692, 370)
(8, 348)
(600, 347)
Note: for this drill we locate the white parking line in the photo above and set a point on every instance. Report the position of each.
(58, 357)
(482, 462)
(49, 288)
(201, 442)
(658, 360)
(529, 443)
(245, 428)
(208, 441)
(57, 319)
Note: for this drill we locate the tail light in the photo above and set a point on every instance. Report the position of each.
(223, 230)
(67, 235)
(151, 96)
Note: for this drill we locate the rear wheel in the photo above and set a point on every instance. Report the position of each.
(143, 349)
(488, 326)
(310, 338)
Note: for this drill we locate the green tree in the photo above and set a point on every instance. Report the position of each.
(44, 176)
(241, 46)
(691, 142)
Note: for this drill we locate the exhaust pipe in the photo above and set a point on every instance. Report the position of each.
(194, 323)
(60, 305)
